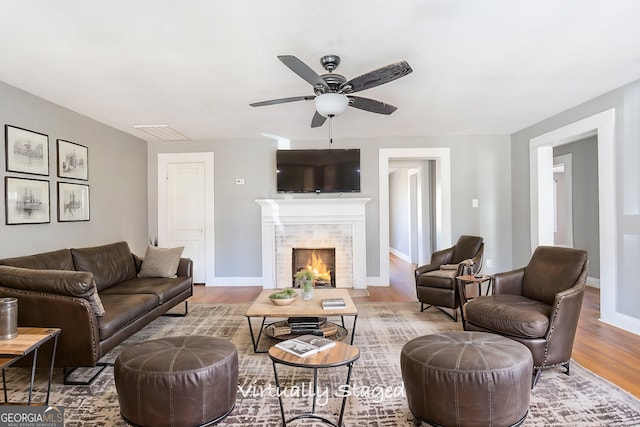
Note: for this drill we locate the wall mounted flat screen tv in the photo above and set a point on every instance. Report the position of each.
(318, 171)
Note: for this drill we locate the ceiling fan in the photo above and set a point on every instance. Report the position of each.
(333, 91)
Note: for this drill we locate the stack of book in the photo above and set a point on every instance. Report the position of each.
(305, 345)
(305, 325)
(333, 303)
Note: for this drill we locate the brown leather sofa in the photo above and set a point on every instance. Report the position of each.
(93, 295)
(537, 305)
(436, 282)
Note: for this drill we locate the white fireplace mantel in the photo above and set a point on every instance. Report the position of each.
(315, 213)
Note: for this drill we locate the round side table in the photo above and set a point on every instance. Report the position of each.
(341, 354)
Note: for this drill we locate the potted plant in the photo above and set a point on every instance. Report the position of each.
(305, 279)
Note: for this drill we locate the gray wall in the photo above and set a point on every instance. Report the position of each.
(585, 198)
(626, 102)
(117, 179)
(480, 169)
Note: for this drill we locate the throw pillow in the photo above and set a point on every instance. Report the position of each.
(160, 262)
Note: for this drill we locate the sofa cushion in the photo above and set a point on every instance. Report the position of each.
(513, 315)
(163, 288)
(122, 310)
(55, 260)
(110, 264)
(62, 282)
(160, 262)
(438, 278)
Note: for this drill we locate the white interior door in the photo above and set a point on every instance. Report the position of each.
(185, 211)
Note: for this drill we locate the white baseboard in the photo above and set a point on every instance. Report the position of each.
(593, 282)
(401, 255)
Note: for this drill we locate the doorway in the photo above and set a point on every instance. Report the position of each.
(601, 125)
(441, 209)
(185, 209)
(563, 200)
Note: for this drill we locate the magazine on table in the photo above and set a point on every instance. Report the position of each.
(306, 345)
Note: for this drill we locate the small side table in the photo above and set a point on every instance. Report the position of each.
(28, 341)
(469, 279)
(341, 354)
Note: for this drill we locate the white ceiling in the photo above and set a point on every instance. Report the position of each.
(479, 67)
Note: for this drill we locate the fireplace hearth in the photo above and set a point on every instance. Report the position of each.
(322, 261)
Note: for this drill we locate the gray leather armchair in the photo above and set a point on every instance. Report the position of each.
(537, 305)
(436, 282)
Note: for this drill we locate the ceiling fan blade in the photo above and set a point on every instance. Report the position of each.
(377, 77)
(303, 70)
(371, 105)
(282, 100)
(318, 120)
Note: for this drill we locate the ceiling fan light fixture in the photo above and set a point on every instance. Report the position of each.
(331, 104)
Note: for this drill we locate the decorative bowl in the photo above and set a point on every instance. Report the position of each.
(283, 301)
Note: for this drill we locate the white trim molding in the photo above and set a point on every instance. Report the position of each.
(541, 163)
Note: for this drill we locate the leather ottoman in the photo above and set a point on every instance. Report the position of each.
(467, 379)
(177, 381)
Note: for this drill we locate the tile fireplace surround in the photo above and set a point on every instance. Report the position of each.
(314, 223)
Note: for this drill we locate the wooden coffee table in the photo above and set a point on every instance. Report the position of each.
(263, 308)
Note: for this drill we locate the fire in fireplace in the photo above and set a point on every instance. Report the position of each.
(322, 261)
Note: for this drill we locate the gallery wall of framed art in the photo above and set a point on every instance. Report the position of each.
(28, 199)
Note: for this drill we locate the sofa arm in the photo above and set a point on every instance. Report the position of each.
(185, 268)
(509, 282)
(79, 341)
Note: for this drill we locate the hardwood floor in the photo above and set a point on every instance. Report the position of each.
(610, 352)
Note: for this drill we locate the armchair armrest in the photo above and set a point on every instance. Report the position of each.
(437, 259)
(563, 324)
(509, 282)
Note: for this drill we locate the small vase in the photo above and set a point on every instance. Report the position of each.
(307, 292)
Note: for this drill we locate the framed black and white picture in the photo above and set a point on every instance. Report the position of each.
(26, 151)
(73, 160)
(73, 202)
(26, 201)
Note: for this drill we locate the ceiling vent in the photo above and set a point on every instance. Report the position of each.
(163, 132)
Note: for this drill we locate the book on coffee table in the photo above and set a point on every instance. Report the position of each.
(305, 345)
(329, 303)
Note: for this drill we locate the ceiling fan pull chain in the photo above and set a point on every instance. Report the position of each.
(330, 130)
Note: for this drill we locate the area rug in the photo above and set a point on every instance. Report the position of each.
(376, 395)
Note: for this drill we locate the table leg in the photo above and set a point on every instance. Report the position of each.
(353, 329)
(275, 373)
(255, 341)
(315, 390)
(344, 398)
(33, 374)
(53, 359)
(4, 385)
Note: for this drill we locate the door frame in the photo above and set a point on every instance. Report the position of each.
(442, 157)
(541, 181)
(164, 159)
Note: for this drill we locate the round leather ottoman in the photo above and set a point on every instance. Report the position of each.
(177, 381)
(467, 379)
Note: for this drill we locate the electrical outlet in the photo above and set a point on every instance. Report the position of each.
(489, 263)
(474, 203)
(239, 181)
